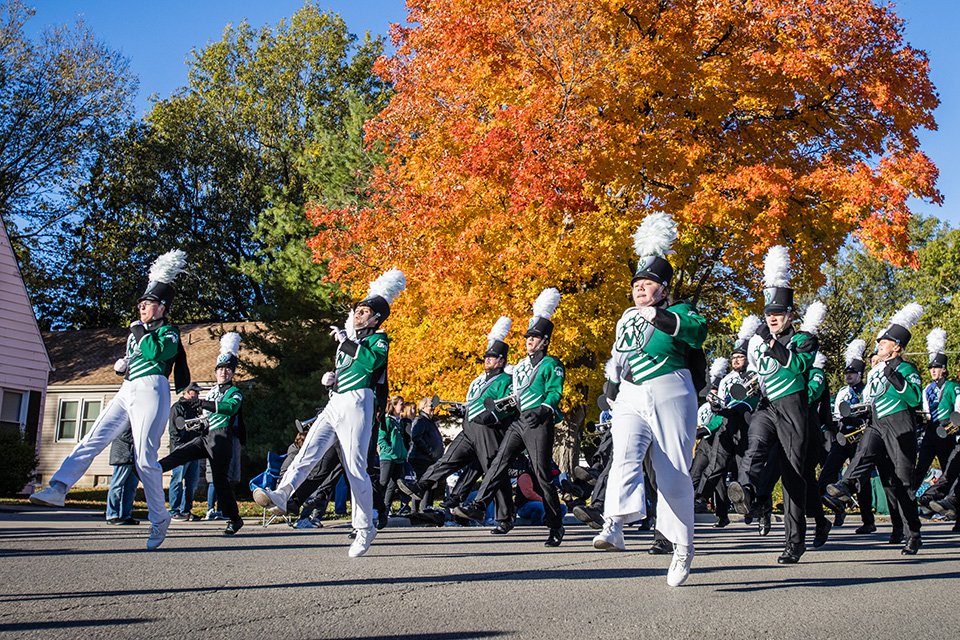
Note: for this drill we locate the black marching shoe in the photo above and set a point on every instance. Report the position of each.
(791, 553)
(645, 525)
(471, 511)
(741, 497)
(840, 491)
(556, 537)
(450, 503)
(233, 526)
(913, 545)
(722, 521)
(590, 516)
(660, 547)
(896, 536)
(763, 524)
(821, 534)
(866, 528)
(411, 487)
(503, 528)
(585, 475)
(701, 507)
(835, 505)
(956, 527)
(382, 519)
(839, 516)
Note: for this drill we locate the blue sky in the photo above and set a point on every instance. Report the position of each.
(158, 37)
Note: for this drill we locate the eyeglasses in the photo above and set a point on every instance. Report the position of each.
(146, 304)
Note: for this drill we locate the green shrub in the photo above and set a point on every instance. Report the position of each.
(18, 459)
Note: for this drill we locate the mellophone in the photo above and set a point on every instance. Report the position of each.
(952, 428)
(751, 387)
(501, 405)
(448, 405)
(857, 410)
(199, 423)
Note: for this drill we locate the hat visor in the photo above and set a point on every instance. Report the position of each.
(776, 308)
(648, 275)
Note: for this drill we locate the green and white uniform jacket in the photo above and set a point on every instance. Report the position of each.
(884, 396)
(357, 370)
(153, 355)
(816, 383)
(944, 403)
(226, 401)
(539, 384)
(496, 387)
(778, 379)
(643, 351)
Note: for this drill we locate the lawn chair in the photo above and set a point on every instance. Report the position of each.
(268, 480)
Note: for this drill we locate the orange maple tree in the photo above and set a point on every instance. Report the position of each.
(527, 140)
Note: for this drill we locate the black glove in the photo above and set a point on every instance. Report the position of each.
(702, 432)
(193, 403)
(138, 329)
(611, 390)
(209, 405)
(764, 332)
(890, 371)
(486, 418)
(457, 411)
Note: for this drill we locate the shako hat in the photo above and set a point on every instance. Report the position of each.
(163, 272)
(540, 325)
(900, 324)
(382, 293)
(748, 328)
(229, 351)
(853, 358)
(496, 347)
(777, 294)
(651, 243)
(717, 370)
(936, 347)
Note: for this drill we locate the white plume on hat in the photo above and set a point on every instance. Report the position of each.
(936, 341)
(546, 303)
(819, 360)
(500, 330)
(348, 326)
(389, 285)
(655, 235)
(612, 371)
(718, 369)
(908, 316)
(230, 344)
(167, 267)
(748, 328)
(814, 317)
(776, 267)
(854, 351)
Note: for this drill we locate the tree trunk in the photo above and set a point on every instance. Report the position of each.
(566, 443)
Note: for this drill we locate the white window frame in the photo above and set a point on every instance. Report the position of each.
(24, 405)
(81, 405)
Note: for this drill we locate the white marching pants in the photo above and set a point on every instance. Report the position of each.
(348, 417)
(659, 415)
(143, 406)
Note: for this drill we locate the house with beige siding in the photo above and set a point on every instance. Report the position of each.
(83, 382)
(24, 365)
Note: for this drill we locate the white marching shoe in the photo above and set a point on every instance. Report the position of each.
(679, 568)
(49, 497)
(611, 537)
(274, 501)
(362, 542)
(158, 532)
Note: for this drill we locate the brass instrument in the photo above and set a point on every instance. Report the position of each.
(751, 387)
(603, 403)
(196, 424)
(858, 410)
(952, 428)
(303, 427)
(851, 438)
(502, 405)
(445, 404)
(715, 402)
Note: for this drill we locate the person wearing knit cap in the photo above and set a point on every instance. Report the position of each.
(781, 358)
(731, 437)
(361, 368)
(939, 398)
(889, 441)
(654, 402)
(143, 403)
(221, 411)
(480, 438)
(842, 450)
(537, 390)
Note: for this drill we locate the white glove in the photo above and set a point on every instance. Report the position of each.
(338, 334)
(121, 366)
(329, 379)
(648, 313)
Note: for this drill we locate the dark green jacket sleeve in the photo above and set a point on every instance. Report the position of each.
(553, 383)
(160, 345)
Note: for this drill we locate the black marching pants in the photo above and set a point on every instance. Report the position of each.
(931, 446)
(217, 447)
(830, 473)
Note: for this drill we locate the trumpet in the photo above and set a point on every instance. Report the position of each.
(852, 437)
(502, 405)
(445, 404)
(304, 426)
(751, 387)
(858, 410)
(196, 424)
(952, 428)
(715, 402)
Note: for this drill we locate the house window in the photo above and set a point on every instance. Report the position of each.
(76, 419)
(11, 410)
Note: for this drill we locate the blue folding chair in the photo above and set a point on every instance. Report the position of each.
(268, 480)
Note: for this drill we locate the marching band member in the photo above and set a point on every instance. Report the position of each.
(221, 410)
(654, 402)
(361, 365)
(143, 402)
(889, 441)
(538, 388)
(781, 357)
(481, 435)
(939, 398)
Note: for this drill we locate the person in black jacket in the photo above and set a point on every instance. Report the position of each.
(426, 443)
(123, 482)
(184, 479)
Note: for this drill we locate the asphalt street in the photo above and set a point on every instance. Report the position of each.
(67, 574)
